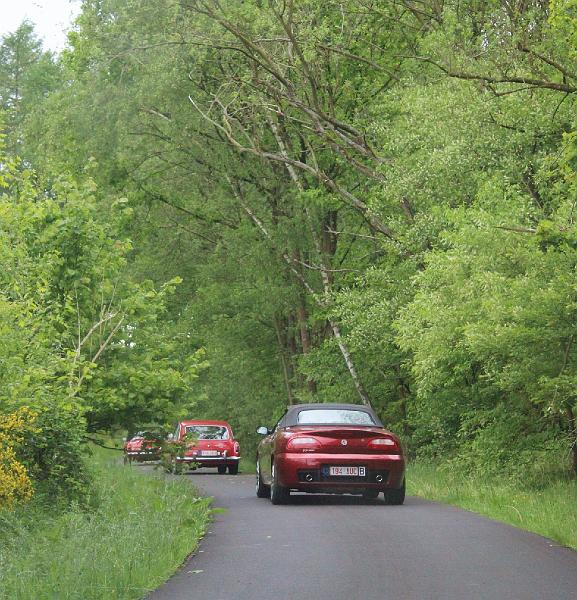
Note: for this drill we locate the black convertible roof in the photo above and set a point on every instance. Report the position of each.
(291, 416)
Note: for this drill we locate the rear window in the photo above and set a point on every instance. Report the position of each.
(334, 417)
(208, 432)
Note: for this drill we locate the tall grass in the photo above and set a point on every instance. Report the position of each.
(138, 531)
(550, 511)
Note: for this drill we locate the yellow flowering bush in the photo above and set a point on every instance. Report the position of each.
(15, 484)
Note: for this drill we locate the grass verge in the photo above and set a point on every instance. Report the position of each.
(549, 512)
(247, 465)
(136, 534)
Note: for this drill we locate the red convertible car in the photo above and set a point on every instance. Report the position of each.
(330, 448)
(207, 444)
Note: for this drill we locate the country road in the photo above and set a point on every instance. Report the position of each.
(337, 548)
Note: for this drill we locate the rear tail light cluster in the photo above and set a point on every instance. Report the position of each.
(236, 448)
(303, 444)
(385, 443)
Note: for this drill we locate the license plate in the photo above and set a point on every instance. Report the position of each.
(209, 453)
(347, 471)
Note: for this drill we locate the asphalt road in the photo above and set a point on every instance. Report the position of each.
(342, 547)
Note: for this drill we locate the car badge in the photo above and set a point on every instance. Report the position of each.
(344, 442)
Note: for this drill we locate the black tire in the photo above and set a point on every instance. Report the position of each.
(370, 494)
(395, 497)
(233, 469)
(221, 469)
(262, 490)
(278, 493)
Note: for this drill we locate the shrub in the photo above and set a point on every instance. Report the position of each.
(53, 453)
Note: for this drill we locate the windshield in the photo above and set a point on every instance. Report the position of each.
(207, 432)
(334, 416)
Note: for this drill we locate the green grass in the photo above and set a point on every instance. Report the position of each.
(247, 465)
(550, 512)
(139, 530)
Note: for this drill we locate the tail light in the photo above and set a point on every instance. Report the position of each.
(236, 448)
(385, 443)
(303, 444)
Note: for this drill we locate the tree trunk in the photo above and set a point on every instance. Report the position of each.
(305, 337)
(573, 437)
(404, 392)
(350, 365)
(283, 360)
(304, 330)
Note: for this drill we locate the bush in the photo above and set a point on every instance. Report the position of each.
(509, 445)
(53, 454)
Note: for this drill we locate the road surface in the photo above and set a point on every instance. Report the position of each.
(345, 548)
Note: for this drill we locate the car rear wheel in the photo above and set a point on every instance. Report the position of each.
(221, 469)
(370, 494)
(233, 469)
(395, 497)
(262, 490)
(278, 493)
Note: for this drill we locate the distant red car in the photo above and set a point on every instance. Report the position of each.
(211, 444)
(330, 448)
(143, 446)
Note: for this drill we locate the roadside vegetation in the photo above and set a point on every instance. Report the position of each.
(131, 535)
(548, 510)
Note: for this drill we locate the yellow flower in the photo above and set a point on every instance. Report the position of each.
(15, 484)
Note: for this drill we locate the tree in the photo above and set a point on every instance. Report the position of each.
(27, 75)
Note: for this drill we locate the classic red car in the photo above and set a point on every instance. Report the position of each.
(330, 448)
(143, 446)
(208, 444)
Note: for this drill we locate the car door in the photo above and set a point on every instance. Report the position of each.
(265, 451)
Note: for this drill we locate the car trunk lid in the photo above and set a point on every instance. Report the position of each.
(341, 439)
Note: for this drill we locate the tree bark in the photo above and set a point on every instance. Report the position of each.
(573, 437)
(305, 337)
(283, 360)
(362, 392)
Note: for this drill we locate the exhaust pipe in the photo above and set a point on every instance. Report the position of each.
(308, 477)
(379, 478)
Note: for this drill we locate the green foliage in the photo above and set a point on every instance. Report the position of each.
(77, 327)
(55, 453)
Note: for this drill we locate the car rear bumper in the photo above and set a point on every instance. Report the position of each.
(310, 472)
(142, 454)
(208, 461)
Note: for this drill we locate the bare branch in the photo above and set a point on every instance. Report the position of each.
(538, 83)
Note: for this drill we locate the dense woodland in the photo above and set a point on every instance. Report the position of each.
(216, 209)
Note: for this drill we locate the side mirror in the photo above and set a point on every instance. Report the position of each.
(170, 437)
(263, 430)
